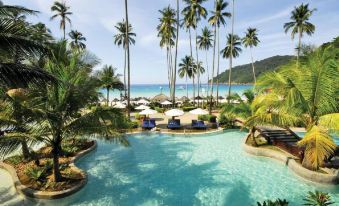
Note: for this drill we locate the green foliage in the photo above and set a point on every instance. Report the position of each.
(318, 199)
(189, 108)
(227, 120)
(35, 173)
(277, 202)
(134, 124)
(206, 117)
(240, 74)
(159, 109)
(14, 160)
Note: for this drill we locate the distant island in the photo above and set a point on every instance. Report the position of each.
(243, 74)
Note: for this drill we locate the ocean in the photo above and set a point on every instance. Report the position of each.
(151, 90)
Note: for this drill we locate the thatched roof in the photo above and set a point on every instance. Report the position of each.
(159, 98)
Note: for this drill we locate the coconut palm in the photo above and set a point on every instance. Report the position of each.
(41, 33)
(120, 39)
(77, 40)
(216, 20)
(62, 11)
(193, 13)
(232, 50)
(128, 62)
(176, 53)
(303, 95)
(300, 24)
(167, 33)
(186, 69)
(109, 79)
(64, 108)
(251, 40)
(14, 39)
(205, 43)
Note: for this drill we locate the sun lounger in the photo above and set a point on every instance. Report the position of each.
(198, 124)
(174, 124)
(148, 124)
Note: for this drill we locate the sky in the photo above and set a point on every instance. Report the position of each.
(96, 20)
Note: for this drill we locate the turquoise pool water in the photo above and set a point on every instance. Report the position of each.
(186, 170)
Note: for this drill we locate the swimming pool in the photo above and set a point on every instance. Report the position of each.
(186, 170)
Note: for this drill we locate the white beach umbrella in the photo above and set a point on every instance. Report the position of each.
(119, 106)
(199, 111)
(148, 112)
(142, 107)
(166, 103)
(174, 113)
(143, 101)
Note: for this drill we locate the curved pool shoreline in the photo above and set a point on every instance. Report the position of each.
(289, 161)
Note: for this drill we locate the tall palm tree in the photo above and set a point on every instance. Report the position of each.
(15, 75)
(193, 13)
(300, 24)
(128, 63)
(77, 40)
(232, 50)
(120, 39)
(205, 43)
(176, 53)
(251, 40)
(167, 33)
(216, 20)
(41, 33)
(109, 79)
(62, 11)
(303, 95)
(186, 69)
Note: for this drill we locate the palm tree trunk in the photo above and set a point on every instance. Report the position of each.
(186, 87)
(197, 54)
(25, 151)
(299, 46)
(107, 93)
(255, 79)
(213, 65)
(125, 78)
(128, 65)
(231, 57)
(168, 68)
(191, 50)
(208, 76)
(218, 65)
(56, 151)
(176, 56)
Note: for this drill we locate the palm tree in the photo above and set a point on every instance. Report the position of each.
(205, 43)
(216, 20)
(41, 33)
(17, 74)
(64, 110)
(176, 53)
(128, 63)
(120, 39)
(62, 11)
(167, 33)
(232, 50)
(251, 40)
(303, 95)
(109, 79)
(77, 40)
(300, 24)
(186, 69)
(193, 13)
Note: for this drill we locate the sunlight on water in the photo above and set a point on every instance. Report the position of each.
(186, 170)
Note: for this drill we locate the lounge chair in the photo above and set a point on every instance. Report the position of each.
(145, 124)
(152, 123)
(198, 124)
(174, 124)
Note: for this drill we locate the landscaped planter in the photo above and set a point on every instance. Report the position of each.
(48, 194)
(297, 168)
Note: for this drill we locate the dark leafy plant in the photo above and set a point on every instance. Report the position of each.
(277, 202)
(35, 173)
(318, 199)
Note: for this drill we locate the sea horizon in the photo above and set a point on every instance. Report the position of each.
(151, 90)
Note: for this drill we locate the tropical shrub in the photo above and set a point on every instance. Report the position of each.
(318, 199)
(277, 202)
(189, 108)
(35, 173)
(203, 117)
(226, 120)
